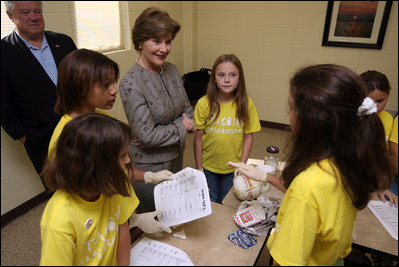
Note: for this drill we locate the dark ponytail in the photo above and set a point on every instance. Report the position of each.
(326, 99)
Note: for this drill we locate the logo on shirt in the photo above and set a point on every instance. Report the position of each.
(225, 125)
(103, 238)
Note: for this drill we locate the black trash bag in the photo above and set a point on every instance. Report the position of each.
(195, 83)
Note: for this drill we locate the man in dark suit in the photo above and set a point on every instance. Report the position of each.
(29, 60)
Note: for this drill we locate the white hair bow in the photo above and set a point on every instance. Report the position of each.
(368, 107)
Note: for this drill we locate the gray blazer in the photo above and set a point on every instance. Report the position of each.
(154, 104)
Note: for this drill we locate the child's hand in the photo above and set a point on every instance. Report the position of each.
(147, 223)
(388, 195)
(154, 178)
(236, 164)
(250, 171)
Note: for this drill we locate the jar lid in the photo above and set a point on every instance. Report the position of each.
(272, 149)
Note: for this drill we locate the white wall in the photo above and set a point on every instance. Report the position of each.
(275, 38)
(271, 38)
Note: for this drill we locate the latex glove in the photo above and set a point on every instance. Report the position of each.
(192, 126)
(250, 171)
(147, 223)
(156, 177)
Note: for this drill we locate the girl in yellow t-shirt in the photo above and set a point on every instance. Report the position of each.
(338, 150)
(226, 118)
(86, 220)
(86, 84)
(378, 88)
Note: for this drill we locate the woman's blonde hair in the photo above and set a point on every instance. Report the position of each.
(152, 23)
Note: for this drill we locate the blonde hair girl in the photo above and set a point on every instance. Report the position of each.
(226, 118)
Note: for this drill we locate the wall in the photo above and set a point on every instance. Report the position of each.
(272, 39)
(275, 38)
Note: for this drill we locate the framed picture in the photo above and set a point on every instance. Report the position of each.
(359, 24)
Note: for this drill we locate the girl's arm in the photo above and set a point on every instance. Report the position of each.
(138, 175)
(123, 251)
(150, 177)
(198, 148)
(58, 248)
(277, 182)
(246, 147)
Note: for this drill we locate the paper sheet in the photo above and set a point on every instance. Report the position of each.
(184, 199)
(149, 252)
(387, 215)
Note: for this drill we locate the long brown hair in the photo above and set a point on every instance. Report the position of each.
(240, 94)
(325, 101)
(88, 153)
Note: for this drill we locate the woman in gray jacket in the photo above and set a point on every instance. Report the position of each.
(155, 102)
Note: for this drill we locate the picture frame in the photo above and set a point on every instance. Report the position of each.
(359, 24)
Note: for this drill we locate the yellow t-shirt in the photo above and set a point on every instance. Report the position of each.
(223, 140)
(387, 121)
(315, 221)
(58, 129)
(394, 136)
(78, 232)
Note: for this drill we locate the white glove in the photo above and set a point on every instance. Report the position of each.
(147, 223)
(250, 171)
(156, 177)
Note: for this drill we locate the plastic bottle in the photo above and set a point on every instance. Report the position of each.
(271, 157)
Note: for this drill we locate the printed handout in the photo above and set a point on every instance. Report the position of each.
(387, 215)
(184, 199)
(149, 252)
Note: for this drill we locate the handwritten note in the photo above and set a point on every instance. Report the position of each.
(149, 252)
(387, 215)
(184, 199)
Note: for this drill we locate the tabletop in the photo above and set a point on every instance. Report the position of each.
(367, 231)
(206, 240)
(370, 233)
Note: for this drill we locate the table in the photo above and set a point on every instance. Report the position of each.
(369, 233)
(207, 242)
(230, 200)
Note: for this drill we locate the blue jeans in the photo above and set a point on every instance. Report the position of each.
(218, 184)
(394, 186)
